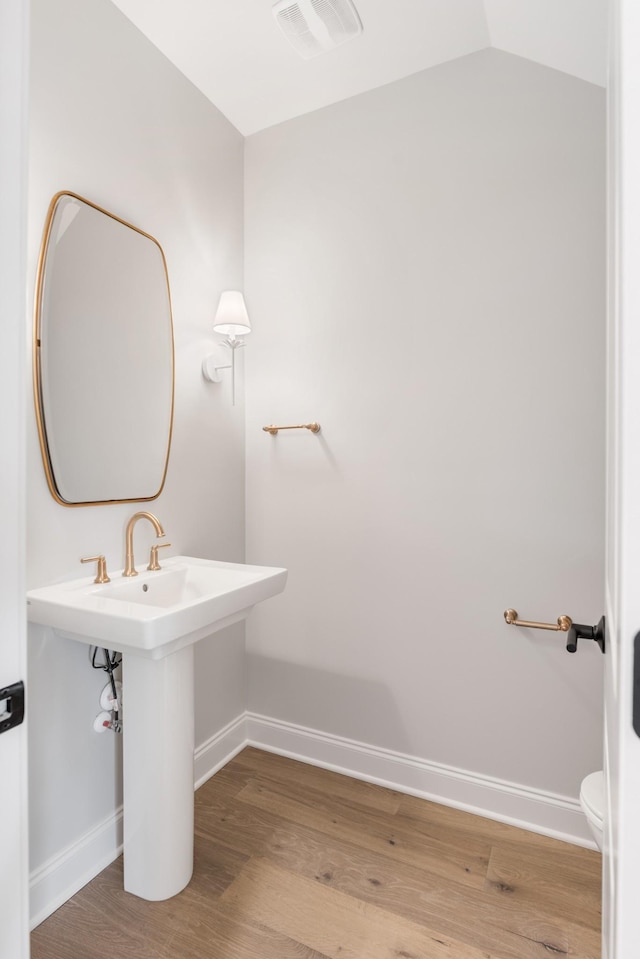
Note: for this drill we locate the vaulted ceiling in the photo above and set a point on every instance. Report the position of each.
(234, 52)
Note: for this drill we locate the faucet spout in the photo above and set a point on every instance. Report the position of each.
(129, 568)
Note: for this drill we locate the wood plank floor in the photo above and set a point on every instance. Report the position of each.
(294, 862)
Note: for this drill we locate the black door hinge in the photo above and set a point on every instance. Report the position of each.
(11, 706)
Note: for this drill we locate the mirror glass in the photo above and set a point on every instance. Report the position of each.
(103, 357)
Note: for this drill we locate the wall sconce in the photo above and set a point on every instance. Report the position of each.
(232, 321)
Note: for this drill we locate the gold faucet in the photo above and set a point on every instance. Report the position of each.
(129, 569)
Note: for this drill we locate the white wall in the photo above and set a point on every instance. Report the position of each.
(425, 272)
(112, 120)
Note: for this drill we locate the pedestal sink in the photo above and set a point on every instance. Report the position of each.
(154, 620)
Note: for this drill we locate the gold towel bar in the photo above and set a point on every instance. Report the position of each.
(563, 625)
(314, 427)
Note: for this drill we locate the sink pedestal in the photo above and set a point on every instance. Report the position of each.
(158, 745)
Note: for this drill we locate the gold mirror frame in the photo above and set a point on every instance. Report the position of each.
(37, 357)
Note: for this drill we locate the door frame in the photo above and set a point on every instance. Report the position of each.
(621, 851)
(14, 876)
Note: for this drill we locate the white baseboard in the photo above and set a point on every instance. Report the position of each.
(60, 878)
(219, 750)
(547, 813)
(552, 815)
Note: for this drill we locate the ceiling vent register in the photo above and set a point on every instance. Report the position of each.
(317, 26)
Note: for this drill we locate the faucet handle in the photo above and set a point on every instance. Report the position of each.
(153, 555)
(101, 573)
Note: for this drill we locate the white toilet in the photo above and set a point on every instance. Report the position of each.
(592, 802)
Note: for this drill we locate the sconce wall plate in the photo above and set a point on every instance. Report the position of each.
(215, 363)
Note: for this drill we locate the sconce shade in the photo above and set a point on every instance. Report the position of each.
(232, 318)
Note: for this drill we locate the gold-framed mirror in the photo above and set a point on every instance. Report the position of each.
(103, 357)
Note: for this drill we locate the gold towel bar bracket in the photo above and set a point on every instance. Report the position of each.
(314, 427)
(563, 624)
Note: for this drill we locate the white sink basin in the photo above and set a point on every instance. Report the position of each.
(155, 613)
